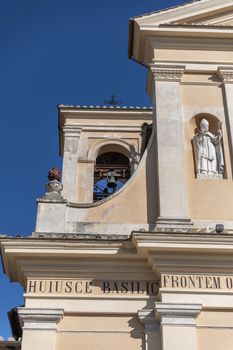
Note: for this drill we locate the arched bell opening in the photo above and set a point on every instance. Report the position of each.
(112, 170)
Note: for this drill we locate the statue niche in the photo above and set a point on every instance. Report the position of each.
(208, 151)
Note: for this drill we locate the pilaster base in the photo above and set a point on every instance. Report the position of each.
(173, 224)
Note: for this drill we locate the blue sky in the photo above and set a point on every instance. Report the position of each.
(55, 51)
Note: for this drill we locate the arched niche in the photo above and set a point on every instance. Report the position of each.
(114, 148)
(207, 145)
(112, 170)
(113, 144)
(213, 122)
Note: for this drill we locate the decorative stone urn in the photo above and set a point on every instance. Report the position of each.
(54, 187)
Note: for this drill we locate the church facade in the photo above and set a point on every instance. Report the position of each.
(143, 261)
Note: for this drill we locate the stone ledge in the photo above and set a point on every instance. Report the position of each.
(80, 236)
(6, 344)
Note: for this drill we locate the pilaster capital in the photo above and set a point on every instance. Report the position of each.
(226, 74)
(147, 317)
(177, 314)
(166, 72)
(71, 131)
(40, 318)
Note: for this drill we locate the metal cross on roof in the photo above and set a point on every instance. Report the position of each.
(113, 102)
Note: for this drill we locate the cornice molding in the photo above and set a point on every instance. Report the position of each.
(147, 317)
(110, 128)
(177, 314)
(186, 253)
(184, 11)
(72, 131)
(40, 318)
(226, 74)
(169, 73)
(162, 24)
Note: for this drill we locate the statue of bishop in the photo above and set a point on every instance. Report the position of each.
(208, 152)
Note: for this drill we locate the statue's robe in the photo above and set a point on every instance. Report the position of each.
(208, 153)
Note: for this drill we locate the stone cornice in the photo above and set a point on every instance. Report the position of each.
(24, 254)
(224, 242)
(183, 11)
(180, 314)
(112, 128)
(72, 131)
(186, 253)
(89, 113)
(40, 318)
(147, 317)
(9, 344)
(167, 72)
(154, 26)
(226, 74)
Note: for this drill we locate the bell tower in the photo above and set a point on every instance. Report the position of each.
(189, 59)
(133, 245)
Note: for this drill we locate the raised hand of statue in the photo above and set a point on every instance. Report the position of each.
(219, 131)
(219, 125)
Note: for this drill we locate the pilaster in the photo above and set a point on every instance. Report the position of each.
(85, 181)
(151, 329)
(172, 196)
(39, 328)
(178, 325)
(70, 160)
(226, 74)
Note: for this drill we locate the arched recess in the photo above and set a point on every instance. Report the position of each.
(213, 122)
(96, 149)
(113, 167)
(214, 142)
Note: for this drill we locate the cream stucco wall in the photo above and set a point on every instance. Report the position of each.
(215, 330)
(140, 190)
(98, 332)
(191, 55)
(208, 199)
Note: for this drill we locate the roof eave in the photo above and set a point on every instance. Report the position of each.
(178, 31)
(185, 11)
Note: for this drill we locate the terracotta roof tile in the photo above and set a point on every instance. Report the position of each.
(105, 107)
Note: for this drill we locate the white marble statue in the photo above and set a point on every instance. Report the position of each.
(208, 152)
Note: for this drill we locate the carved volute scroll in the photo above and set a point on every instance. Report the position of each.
(208, 148)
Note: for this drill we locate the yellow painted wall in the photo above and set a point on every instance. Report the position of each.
(100, 333)
(215, 330)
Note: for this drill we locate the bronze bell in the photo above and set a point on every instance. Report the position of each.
(112, 179)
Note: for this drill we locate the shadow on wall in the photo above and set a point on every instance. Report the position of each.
(151, 183)
(137, 331)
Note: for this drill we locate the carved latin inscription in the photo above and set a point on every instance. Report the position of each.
(77, 287)
(197, 282)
